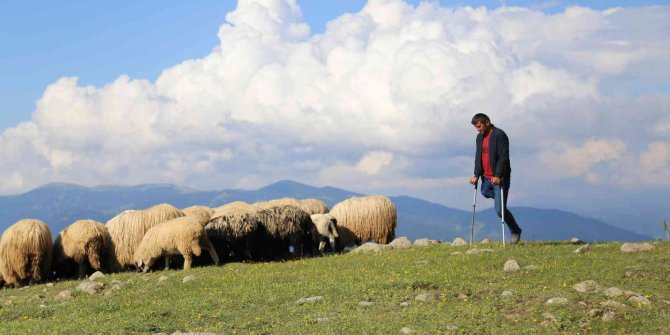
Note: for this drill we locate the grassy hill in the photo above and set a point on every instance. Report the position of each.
(463, 294)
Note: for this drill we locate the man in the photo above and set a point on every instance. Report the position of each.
(493, 166)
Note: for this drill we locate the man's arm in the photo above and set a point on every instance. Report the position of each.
(502, 164)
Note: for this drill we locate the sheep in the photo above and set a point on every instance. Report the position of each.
(325, 228)
(202, 213)
(230, 206)
(127, 229)
(233, 231)
(81, 242)
(183, 235)
(362, 219)
(311, 206)
(25, 253)
(285, 226)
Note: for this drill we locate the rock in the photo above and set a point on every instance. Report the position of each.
(511, 266)
(38, 297)
(426, 297)
(549, 316)
(629, 294)
(422, 242)
(163, 278)
(638, 299)
(366, 303)
(50, 284)
(108, 293)
(531, 267)
(613, 292)
(404, 304)
(575, 240)
(458, 242)
(188, 279)
(586, 247)
(64, 295)
(557, 301)
(91, 287)
(485, 241)
(587, 286)
(634, 247)
(612, 303)
(507, 293)
(406, 330)
(116, 287)
(401, 243)
(476, 251)
(608, 316)
(116, 281)
(96, 275)
(367, 247)
(303, 301)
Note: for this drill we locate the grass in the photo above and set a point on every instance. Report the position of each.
(260, 298)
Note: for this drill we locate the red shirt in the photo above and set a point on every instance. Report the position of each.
(488, 171)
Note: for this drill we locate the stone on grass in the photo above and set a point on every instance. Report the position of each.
(575, 240)
(368, 247)
(404, 304)
(476, 251)
(422, 242)
(596, 313)
(638, 299)
(426, 297)
(608, 316)
(188, 279)
(557, 301)
(401, 243)
(116, 287)
(511, 266)
(485, 241)
(406, 330)
(91, 287)
(587, 286)
(163, 278)
(634, 247)
(96, 275)
(458, 242)
(366, 303)
(612, 303)
(64, 295)
(309, 300)
(507, 293)
(586, 247)
(613, 292)
(50, 284)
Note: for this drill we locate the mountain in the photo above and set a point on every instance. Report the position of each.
(60, 204)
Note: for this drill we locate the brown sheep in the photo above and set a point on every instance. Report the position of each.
(362, 219)
(128, 228)
(285, 226)
(84, 241)
(25, 253)
(181, 236)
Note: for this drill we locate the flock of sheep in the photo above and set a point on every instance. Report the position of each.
(137, 239)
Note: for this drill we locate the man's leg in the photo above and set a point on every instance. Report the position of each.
(509, 218)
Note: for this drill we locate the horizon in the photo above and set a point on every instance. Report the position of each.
(372, 96)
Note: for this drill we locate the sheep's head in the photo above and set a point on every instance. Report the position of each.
(144, 265)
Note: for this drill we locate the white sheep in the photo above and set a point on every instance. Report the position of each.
(325, 229)
(181, 236)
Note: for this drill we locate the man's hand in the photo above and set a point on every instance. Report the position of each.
(495, 181)
(473, 180)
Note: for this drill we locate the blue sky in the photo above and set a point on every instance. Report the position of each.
(378, 101)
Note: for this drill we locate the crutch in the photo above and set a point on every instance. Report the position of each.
(502, 210)
(474, 204)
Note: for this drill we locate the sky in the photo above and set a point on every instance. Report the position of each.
(370, 96)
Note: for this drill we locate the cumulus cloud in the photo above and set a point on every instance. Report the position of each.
(381, 100)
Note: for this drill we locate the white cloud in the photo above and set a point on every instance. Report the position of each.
(380, 101)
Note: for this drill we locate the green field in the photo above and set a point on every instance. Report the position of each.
(463, 294)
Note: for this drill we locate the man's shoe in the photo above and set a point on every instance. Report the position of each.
(516, 237)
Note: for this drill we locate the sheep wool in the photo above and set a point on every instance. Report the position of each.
(181, 236)
(232, 231)
(128, 228)
(362, 219)
(25, 253)
(314, 206)
(231, 206)
(83, 241)
(202, 213)
(284, 225)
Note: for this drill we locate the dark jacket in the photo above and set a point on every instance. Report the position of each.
(498, 155)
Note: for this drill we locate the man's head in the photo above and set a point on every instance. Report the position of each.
(482, 123)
